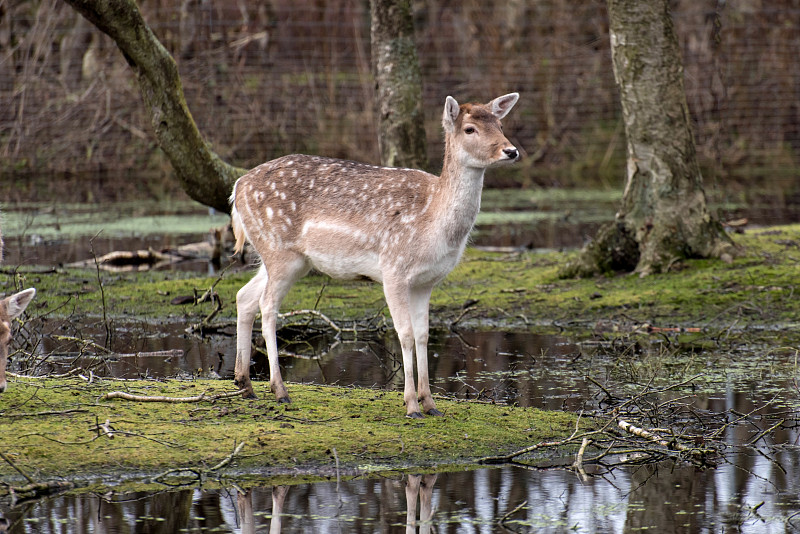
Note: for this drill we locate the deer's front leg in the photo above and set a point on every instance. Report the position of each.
(397, 297)
(246, 306)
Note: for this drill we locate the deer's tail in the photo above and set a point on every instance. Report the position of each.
(236, 223)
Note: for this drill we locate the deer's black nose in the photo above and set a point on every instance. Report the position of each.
(510, 152)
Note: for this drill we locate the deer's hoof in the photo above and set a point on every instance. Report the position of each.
(284, 400)
(414, 415)
(435, 412)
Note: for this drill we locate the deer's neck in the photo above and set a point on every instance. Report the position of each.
(461, 197)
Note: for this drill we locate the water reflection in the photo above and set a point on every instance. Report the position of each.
(524, 368)
(506, 499)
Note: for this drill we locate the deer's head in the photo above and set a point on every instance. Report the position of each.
(10, 307)
(474, 133)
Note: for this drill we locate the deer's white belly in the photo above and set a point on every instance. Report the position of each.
(346, 265)
(340, 251)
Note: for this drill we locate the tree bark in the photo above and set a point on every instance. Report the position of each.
(202, 174)
(401, 131)
(663, 216)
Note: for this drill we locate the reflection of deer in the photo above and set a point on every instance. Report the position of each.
(417, 487)
(245, 503)
(10, 308)
(422, 486)
(403, 228)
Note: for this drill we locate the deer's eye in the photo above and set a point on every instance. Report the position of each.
(469, 130)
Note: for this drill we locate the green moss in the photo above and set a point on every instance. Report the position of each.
(511, 290)
(365, 427)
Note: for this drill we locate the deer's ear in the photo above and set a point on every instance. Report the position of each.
(501, 105)
(19, 301)
(450, 114)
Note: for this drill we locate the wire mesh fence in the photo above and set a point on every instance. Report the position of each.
(269, 78)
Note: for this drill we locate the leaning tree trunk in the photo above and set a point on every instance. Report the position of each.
(663, 216)
(202, 174)
(401, 133)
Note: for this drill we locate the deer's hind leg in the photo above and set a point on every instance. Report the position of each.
(284, 271)
(247, 300)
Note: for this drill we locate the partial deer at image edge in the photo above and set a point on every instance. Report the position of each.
(10, 308)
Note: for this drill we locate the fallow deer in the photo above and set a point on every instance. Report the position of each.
(10, 308)
(404, 228)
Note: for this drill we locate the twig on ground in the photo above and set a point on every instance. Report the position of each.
(199, 474)
(41, 414)
(146, 398)
(17, 468)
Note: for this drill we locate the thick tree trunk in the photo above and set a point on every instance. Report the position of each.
(202, 174)
(663, 216)
(399, 85)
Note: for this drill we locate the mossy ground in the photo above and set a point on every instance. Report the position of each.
(364, 428)
(755, 294)
(508, 290)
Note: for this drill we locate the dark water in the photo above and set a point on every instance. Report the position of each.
(753, 490)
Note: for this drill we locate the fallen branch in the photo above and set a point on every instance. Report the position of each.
(655, 438)
(650, 445)
(505, 458)
(32, 489)
(145, 398)
(229, 459)
(106, 428)
(37, 489)
(16, 468)
(199, 473)
(336, 328)
(41, 414)
(578, 464)
(507, 516)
